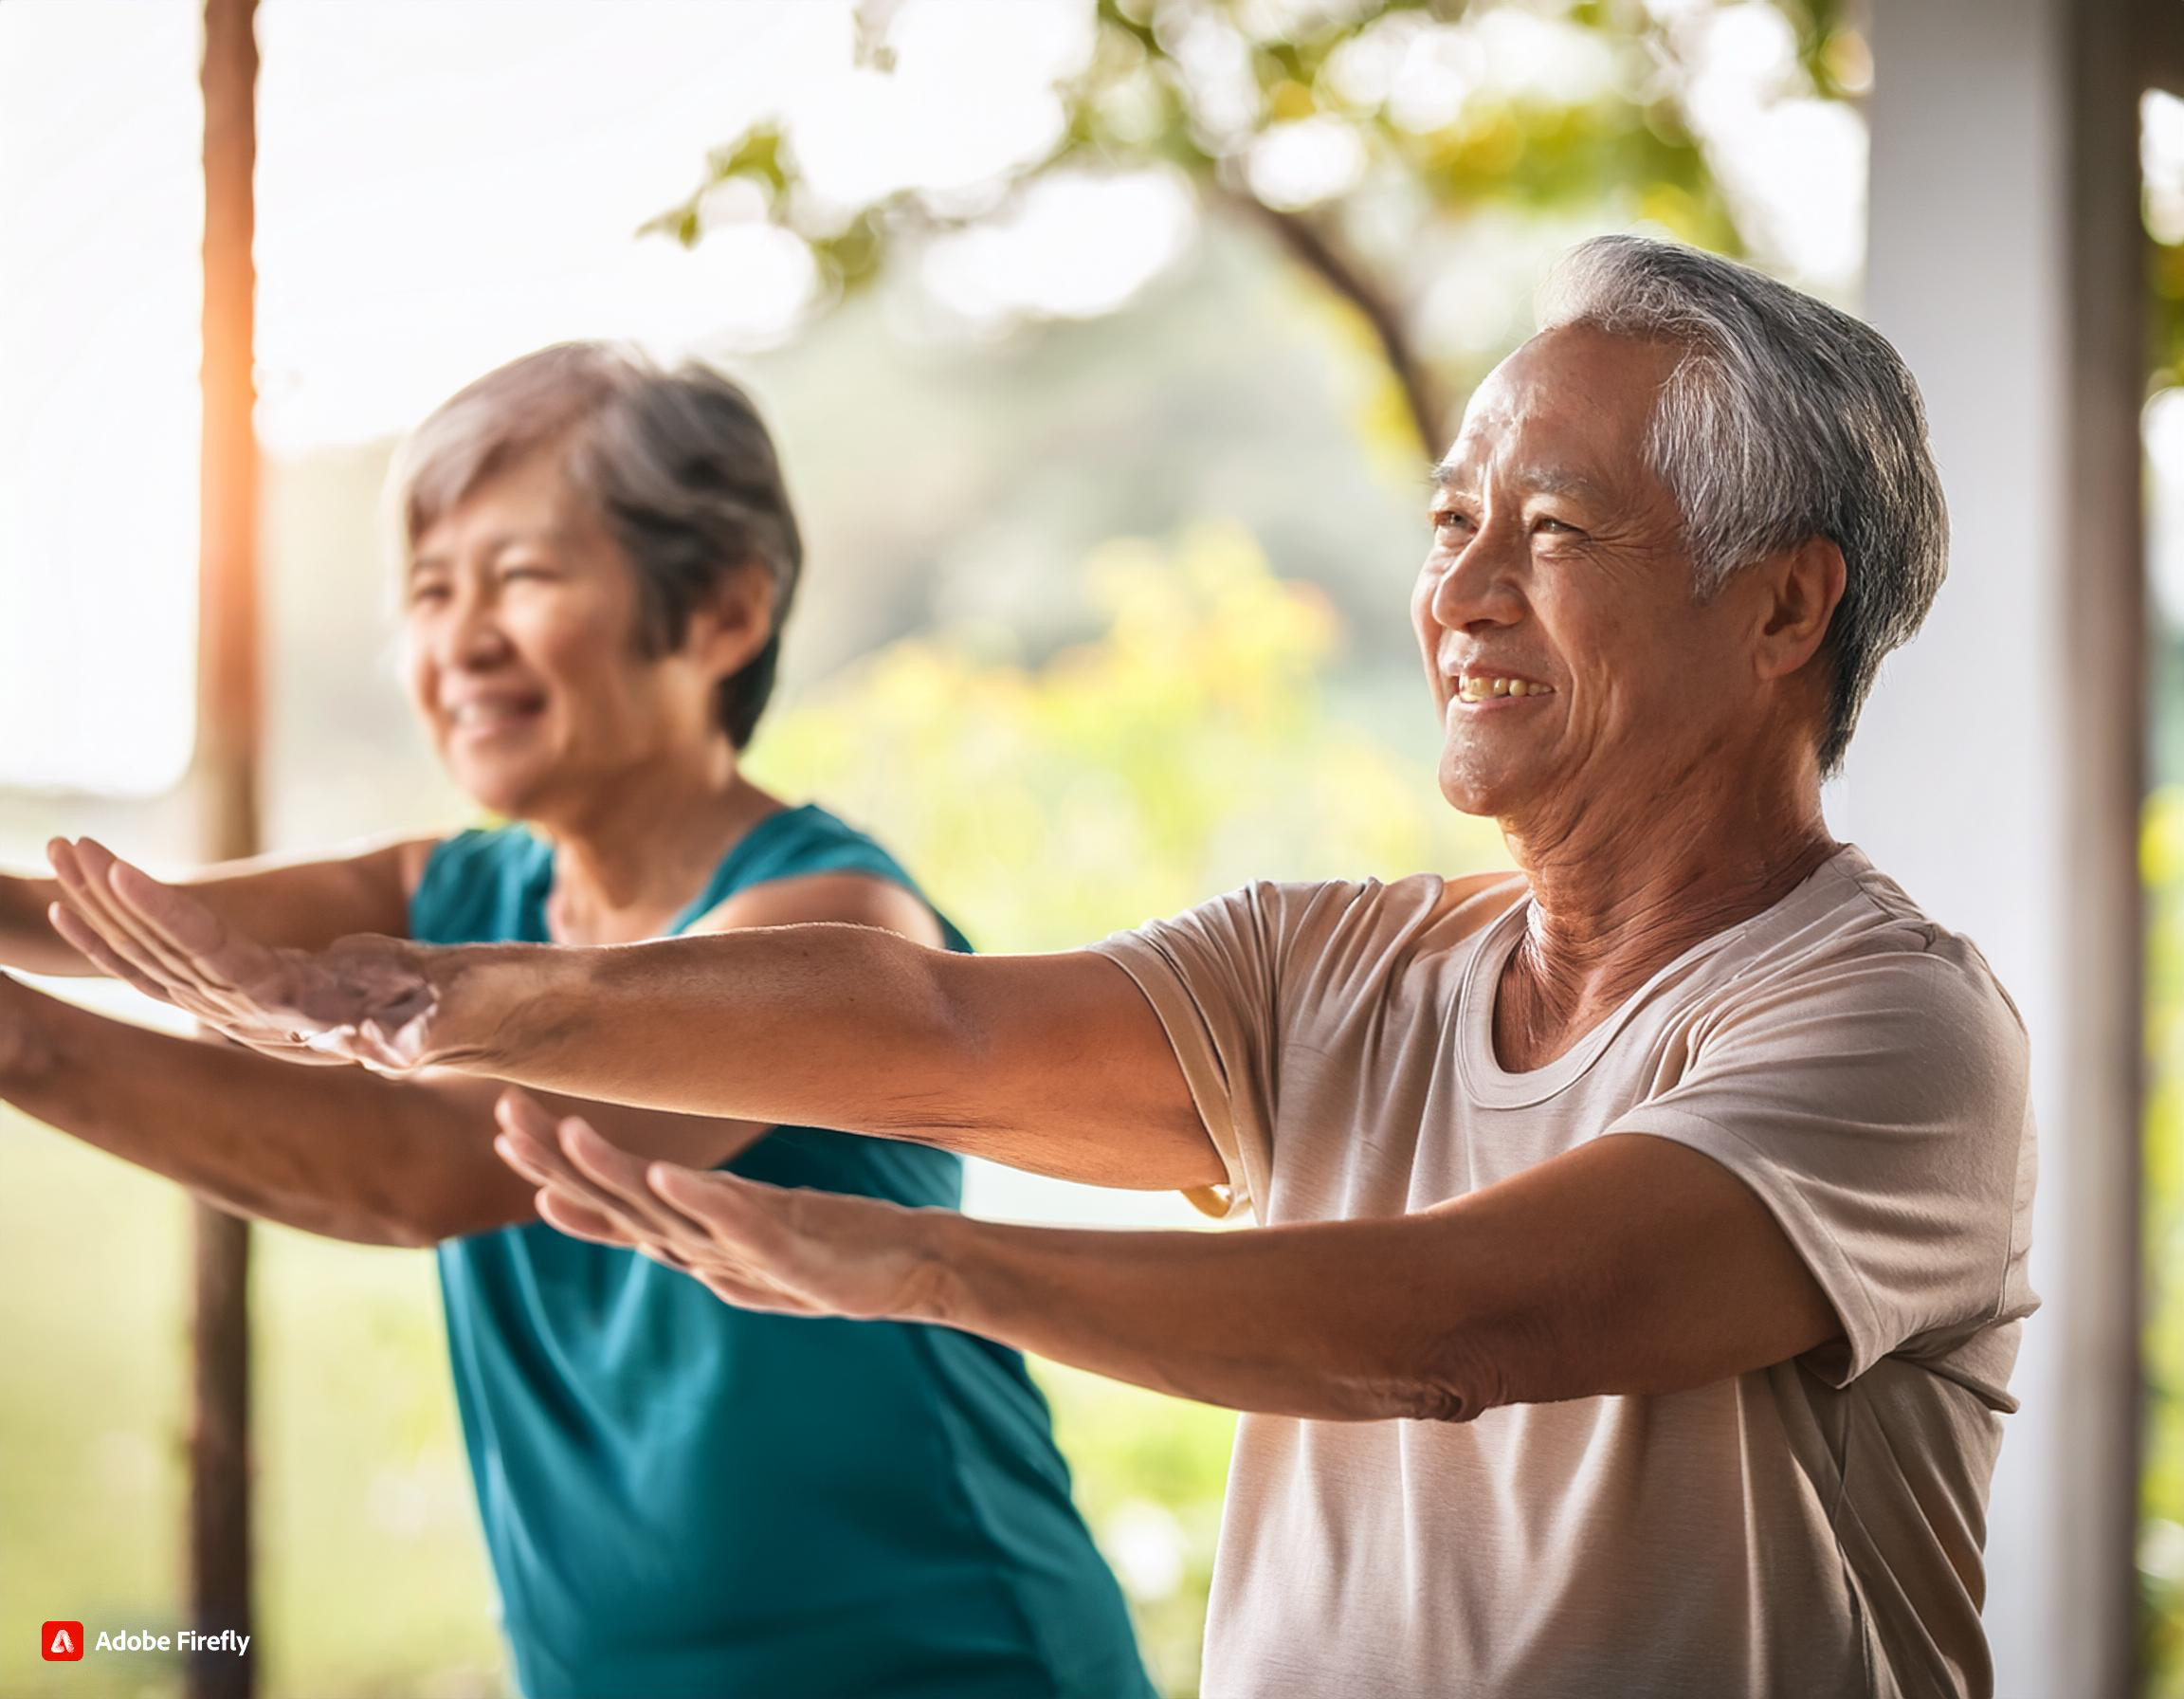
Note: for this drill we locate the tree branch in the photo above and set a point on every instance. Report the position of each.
(1311, 246)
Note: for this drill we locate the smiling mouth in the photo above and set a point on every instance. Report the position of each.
(1483, 688)
(481, 719)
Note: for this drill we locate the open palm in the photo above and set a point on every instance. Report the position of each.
(362, 1000)
(758, 1247)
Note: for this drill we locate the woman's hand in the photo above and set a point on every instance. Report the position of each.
(364, 1000)
(765, 1248)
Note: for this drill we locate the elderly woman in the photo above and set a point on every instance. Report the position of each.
(1644, 1249)
(677, 1497)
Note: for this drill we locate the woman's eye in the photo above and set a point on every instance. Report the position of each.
(422, 593)
(510, 573)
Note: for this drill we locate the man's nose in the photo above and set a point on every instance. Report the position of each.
(1479, 586)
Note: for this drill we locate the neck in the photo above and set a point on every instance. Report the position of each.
(1618, 893)
(641, 846)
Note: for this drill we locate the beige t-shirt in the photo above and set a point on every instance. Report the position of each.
(1815, 1528)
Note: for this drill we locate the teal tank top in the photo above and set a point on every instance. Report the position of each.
(683, 1500)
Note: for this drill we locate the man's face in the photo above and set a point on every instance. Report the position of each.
(1558, 565)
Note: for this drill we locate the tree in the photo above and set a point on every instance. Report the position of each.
(1407, 146)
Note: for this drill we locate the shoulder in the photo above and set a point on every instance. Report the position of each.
(1872, 980)
(1955, 968)
(807, 865)
(856, 899)
(1295, 927)
(1875, 942)
(1421, 905)
(1940, 986)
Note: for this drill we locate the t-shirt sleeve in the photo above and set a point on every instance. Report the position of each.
(1877, 1104)
(1213, 977)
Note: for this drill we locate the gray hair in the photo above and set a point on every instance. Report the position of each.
(677, 465)
(1784, 420)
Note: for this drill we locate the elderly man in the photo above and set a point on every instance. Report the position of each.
(1642, 1246)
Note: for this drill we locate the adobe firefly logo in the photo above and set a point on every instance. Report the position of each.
(61, 1642)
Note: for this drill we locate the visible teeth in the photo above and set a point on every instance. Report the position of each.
(484, 713)
(1483, 690)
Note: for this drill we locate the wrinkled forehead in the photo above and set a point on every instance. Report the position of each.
(1575, 400)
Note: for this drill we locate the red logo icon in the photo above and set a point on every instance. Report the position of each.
(61, 1642)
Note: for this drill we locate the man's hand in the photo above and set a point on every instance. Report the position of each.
(758, 1247)
(365, 999)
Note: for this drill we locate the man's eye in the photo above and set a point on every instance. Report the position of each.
(428, 592)
(1548, 523)
(1448, 518)
(524, 572)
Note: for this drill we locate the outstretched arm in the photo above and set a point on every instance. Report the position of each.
(1052, 1063)
(1632, 1265)
(27, 939)
(303, 903)
(335, 1150)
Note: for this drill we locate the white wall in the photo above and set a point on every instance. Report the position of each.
(1996, 771)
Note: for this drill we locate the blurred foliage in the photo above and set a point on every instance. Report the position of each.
(2161, 1531)
(2165, 327)
(1188, 749)
(1206, 89)
(2161, 867)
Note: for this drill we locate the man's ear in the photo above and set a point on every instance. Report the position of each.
(1802, 588)
(734, 620)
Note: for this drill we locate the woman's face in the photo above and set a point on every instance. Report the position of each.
(524, 657)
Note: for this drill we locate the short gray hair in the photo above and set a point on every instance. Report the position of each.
(1785, 420)
(677, 465)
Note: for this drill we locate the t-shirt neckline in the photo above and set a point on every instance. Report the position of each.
(1486, 1081)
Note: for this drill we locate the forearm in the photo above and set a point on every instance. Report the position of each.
(27, 941)
(1053, 1064)
(333, 1151)
(1631, 1265)
(1335, 1321)
(818, 1025)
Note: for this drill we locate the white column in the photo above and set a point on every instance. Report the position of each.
(1997, 773)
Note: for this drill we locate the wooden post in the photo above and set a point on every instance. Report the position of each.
(227, 781)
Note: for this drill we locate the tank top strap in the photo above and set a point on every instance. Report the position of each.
(485, 884)
(800, 842)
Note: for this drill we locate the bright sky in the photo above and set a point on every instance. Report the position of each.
(442, 187)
